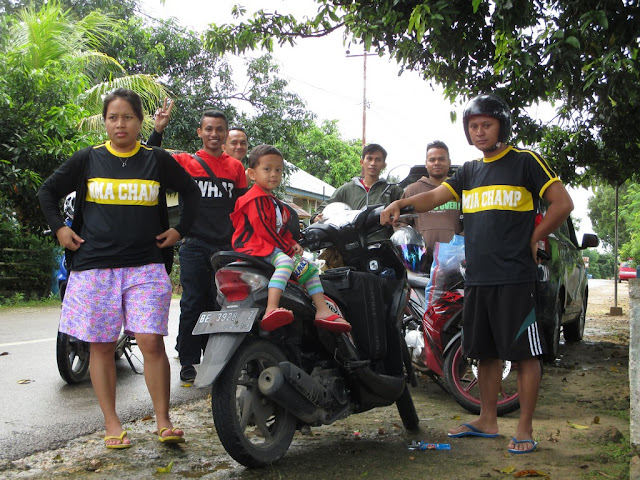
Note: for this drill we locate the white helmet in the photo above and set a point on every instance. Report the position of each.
(334, 209)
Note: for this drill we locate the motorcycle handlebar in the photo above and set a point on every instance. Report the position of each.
(317, 236)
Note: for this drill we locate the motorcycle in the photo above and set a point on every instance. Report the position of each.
(265, 385)
(434, 333)
(72, 354)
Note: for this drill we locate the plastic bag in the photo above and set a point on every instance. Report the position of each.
(447, 269)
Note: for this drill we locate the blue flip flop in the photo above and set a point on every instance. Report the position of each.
(534, 445)
(473, 432)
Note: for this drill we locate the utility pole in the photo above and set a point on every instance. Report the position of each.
(364, 95)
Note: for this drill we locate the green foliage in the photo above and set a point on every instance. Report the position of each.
(321, 151)
(582, 57)
(602, 215)
(52, 83)
(601, 212)
(630, 215)
(601, 265)
(278, 115)
(27, 263)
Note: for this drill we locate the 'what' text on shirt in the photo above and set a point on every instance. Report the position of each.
(211, 190)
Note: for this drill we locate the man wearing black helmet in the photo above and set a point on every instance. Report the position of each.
(500, 194)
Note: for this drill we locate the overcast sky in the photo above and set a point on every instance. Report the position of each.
(405, 112)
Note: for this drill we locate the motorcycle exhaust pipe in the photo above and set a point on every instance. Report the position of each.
(273, 384)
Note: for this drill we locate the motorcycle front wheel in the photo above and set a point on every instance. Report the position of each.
(253, 429)
(72, 356)
(461, 378)
(407, 411)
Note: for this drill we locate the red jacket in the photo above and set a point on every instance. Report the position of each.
(254, 222)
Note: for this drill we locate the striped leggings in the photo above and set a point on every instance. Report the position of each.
(284, 269)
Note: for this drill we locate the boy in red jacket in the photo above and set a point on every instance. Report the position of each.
(260, 224)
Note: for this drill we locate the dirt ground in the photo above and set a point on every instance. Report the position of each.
(581, 424)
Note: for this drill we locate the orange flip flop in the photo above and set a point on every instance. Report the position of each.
(332, 324)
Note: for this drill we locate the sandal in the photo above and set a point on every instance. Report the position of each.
(117, 445)
(275, 319)
(333, 323)
(170, 438)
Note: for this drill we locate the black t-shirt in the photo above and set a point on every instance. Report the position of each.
(500, 197)
(120, 207)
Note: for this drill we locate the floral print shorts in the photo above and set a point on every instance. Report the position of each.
(99, 302)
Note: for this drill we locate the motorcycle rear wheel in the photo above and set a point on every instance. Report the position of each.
(72, 356)
(460, 377)
(253, 429)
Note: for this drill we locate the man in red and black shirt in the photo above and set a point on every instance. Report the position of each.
(212, 230)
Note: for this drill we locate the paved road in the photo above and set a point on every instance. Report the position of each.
(46, 412)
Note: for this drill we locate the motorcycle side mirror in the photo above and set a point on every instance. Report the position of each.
(396, 175)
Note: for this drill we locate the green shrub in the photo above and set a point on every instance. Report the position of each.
(26, 262)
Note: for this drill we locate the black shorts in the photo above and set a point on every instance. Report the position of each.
(499, 321)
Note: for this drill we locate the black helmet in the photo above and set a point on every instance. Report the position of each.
(492, 106)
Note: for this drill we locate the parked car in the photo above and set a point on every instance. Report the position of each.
(626, 271)
(563, 289)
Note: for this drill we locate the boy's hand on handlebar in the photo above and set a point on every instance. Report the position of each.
(167, 238)
(68, 238)
(389, 215)
(297, 249)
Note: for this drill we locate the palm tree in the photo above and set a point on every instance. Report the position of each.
(53, 79)
(38, 38)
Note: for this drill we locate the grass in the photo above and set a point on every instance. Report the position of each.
(18, 300)
(614, 459)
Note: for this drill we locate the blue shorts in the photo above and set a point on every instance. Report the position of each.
(99, 302)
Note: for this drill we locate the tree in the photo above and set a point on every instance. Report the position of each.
(601, 265)
(52, 80)
(630, 216)
(321, 150)
(601, 208)
(583, 57)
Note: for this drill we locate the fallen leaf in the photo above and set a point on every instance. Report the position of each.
(380, 431)
(508, 469)
(58, 459)
(412, 458)
(147, 418)
(614, 369)
(577, 427)
(455, 417)
(596, 419)
(530, 473)
(186, 385)
(25, 381)
(166, 469)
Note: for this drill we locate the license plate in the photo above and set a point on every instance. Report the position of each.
(226, 321)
